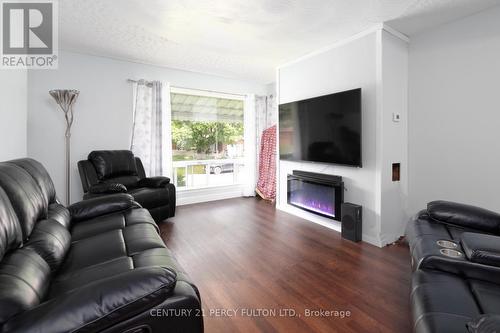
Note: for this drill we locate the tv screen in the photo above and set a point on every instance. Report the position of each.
(322, 129)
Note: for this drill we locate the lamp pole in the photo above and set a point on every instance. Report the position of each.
(66, 98)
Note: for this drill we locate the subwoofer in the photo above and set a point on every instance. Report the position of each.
(351, 221)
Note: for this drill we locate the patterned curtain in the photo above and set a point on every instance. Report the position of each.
(266, 184)
(151, 135)
(265, 116)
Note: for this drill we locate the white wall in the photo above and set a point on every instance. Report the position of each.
(13, 113)
(393, 136)
(271, 89)
(454, 105)
(350, 66)
(358, 64)
(103, 112)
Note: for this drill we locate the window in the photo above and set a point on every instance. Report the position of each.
(207, 140)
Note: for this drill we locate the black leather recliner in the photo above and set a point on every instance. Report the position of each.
(97, 266)
(455, 255)
(118, 171)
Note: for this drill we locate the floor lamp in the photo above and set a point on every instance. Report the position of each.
(66, 99)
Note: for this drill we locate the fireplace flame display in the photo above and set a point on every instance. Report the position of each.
(313, 197)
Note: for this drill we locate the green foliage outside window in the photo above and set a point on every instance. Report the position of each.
(204, 137)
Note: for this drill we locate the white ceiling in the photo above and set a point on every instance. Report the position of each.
(425, 14)
(243, 39)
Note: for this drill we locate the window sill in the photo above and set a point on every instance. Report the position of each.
(205, 194)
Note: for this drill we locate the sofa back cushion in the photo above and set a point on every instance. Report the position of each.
(24, 279)
(40, 175)
(60, 214)
(11, 235)
(113, 163)
(24, 194)
(51, 241)
(88, 174)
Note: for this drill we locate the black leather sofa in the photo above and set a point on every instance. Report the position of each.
(98, 265)
(119, 171)
(455, 255)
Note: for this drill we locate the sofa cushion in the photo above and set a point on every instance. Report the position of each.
(51, 241)
(111, 245)
(102, 224)
(434, 291)
(68, 280)
(464, 215)
(11, 235)
(441, 302)
(141, 237)
(100, 304)
(160, 257)
(24, 194)
(24, 277)
(40, 175)
(102, 254)
(95, 250)
(150, 197)
(155, 257)
(487, 295)
(113, 163)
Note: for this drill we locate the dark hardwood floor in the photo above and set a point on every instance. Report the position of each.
(245, 256)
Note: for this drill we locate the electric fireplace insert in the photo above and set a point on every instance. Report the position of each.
(316, 193)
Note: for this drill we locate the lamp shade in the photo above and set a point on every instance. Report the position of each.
(65, 97)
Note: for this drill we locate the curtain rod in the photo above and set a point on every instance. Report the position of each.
(205, 90)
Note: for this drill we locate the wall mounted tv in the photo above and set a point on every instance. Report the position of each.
(323, 129)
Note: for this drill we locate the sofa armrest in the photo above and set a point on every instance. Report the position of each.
(90, 208)
(107, 188)
(481, 248)
(98, 305)
(466, 216)
(488, 323)
(153, 182)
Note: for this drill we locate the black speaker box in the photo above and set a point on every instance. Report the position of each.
(351, 221)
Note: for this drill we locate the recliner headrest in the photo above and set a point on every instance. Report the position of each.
(113, 163)
(464, 215)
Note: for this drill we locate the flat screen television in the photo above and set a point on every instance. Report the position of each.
(323, 129)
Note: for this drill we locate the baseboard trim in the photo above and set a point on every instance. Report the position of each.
(325, 222)
(389, 239)
(209, 194)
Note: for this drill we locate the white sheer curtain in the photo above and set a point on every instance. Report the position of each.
(260, 114)
(250, 146)
(151, 131)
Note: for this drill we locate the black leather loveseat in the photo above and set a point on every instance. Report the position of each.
(119, 171)
(98, 265)
(455, 255)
